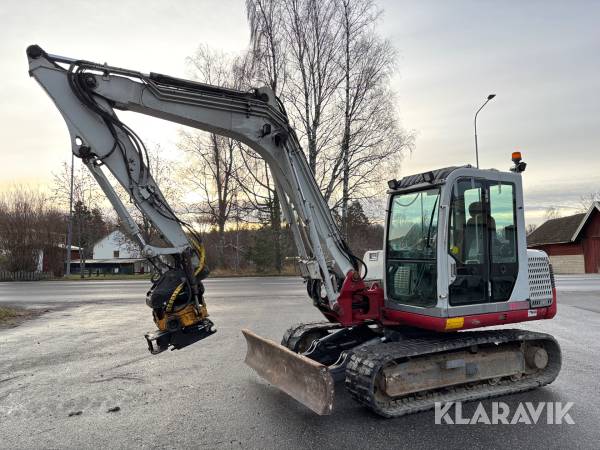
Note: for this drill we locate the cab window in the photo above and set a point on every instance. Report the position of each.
(504, 265)
(411, 248)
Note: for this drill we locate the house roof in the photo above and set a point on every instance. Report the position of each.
(595, 206)
(561, 230)
(73, 247)
(108, 236)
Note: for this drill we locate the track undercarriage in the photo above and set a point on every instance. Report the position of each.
(395, 372)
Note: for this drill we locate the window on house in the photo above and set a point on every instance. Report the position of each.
(116, 254)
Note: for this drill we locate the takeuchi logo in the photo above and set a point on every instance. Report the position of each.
(500, 413)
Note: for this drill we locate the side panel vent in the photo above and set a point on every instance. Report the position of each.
(540, 279)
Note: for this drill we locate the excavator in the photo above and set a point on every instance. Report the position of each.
(454, 257)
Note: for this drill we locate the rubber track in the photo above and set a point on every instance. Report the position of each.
(295, 333)
(366, 363)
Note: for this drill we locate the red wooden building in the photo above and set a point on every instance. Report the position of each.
(572, 242)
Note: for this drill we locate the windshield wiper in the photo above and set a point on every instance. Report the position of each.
(431, 222)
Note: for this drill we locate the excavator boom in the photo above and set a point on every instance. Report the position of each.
(87, 95)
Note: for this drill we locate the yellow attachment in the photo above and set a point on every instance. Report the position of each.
(455, 323)
(187, 316)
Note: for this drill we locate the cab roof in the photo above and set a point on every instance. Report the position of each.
(433, 177)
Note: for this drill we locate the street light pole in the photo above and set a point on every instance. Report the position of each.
(70, 224)
(489, 97)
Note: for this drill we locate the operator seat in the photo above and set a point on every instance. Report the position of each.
(473, 231)
(470, 285)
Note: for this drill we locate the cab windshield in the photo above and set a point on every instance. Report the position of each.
(411, 270)
(412, 229)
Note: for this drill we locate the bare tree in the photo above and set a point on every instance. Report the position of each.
(371, 134)
(530, 228)
(293, 47)
(268, 48)
(337, 73)
(87, 217)
(269, 51)
(552, 212)
(213, 170)
(211, 175)
(332, 72)
(260, 200)
(314, 40)
(85, 188)
(256, 185)
(29, 226)
(586, 201)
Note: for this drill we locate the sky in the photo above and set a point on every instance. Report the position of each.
(541, 59)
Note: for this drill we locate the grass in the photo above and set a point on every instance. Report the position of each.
(225, 273)
(10, 315)
(108, 276)
(7, 313)
(214, 273)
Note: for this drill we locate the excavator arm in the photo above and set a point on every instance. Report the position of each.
(87, 95)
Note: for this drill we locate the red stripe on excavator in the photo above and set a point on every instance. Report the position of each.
(471, 321)
(355, 292)
(553, 307)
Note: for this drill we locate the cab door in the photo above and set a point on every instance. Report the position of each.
(468, 244)
(482, 241)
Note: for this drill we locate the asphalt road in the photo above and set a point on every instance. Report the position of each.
(72, 293)
(88, 354)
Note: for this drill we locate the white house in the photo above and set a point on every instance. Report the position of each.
(116, 245)
(114, 253)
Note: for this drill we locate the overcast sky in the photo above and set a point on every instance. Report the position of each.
(541, 58)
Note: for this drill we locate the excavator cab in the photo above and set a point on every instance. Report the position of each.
(455, 248)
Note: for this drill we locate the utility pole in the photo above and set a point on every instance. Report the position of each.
(489, 97)
(70, 223)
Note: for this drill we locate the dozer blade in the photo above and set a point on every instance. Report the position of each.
(307, 381)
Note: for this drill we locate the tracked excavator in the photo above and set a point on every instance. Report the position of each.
(454, 255)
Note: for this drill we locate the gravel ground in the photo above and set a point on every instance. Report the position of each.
(61, 373)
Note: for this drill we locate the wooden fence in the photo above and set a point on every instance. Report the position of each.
(24, 276)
